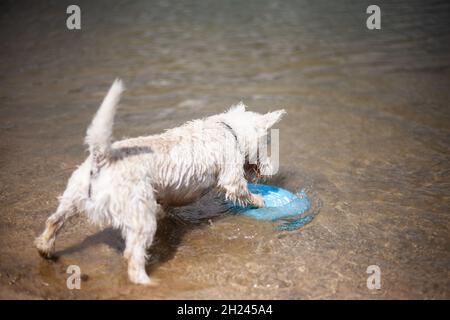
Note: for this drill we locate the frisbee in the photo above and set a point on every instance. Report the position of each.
(279, 204)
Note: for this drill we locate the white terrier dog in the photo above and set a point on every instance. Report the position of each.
(128, 184)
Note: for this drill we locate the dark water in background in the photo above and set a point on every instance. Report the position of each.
(367, 131)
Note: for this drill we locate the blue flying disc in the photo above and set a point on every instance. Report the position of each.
(279, 204)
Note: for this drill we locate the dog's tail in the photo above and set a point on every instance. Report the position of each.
(99, 133)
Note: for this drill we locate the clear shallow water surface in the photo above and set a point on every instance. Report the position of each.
(367, 132)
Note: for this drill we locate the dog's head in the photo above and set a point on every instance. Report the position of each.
(254, 137)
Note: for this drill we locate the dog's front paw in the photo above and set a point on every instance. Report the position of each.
(258, 201)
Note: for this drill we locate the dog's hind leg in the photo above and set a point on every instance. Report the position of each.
(67, 208)
(139, 231)
(137, 242)
(45, 243)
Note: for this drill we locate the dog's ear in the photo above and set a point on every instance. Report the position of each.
(273, 117)
(240, 107)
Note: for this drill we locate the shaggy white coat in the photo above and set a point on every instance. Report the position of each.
(128, 184)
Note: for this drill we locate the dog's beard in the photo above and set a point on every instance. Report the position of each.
(252, 171)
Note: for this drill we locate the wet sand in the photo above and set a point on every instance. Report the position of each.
(367, 133)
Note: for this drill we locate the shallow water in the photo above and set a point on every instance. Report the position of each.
(367, 132)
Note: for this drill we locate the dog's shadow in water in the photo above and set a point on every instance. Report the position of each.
(167, 239)
(171, 229)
